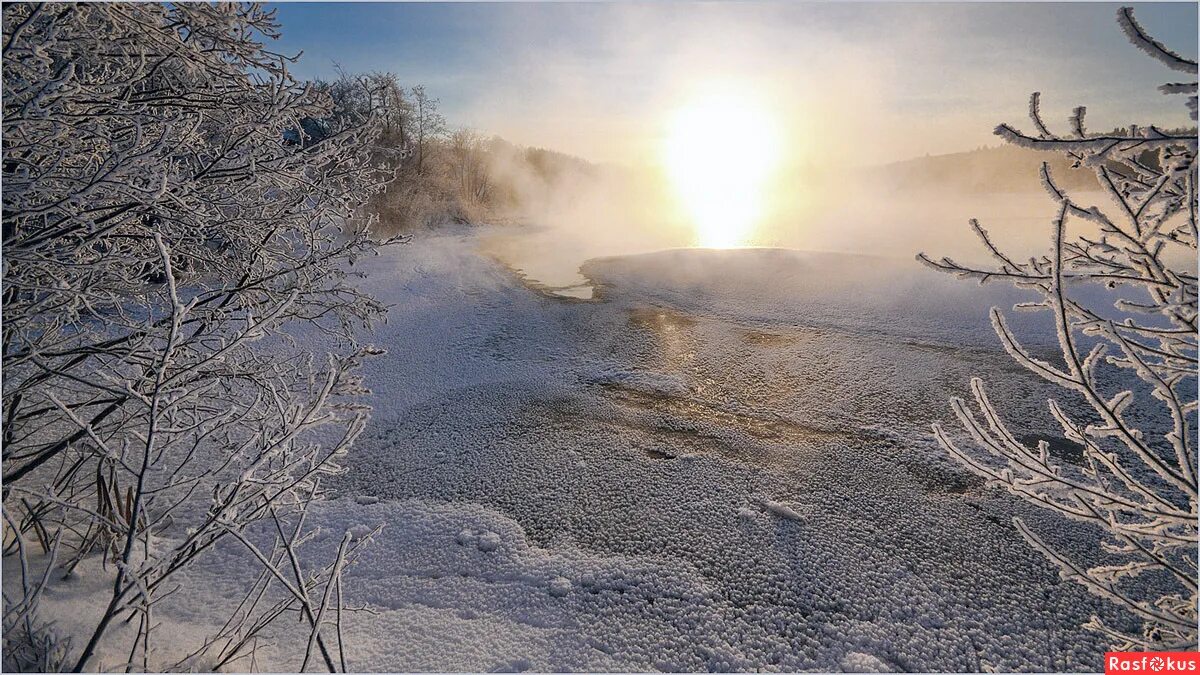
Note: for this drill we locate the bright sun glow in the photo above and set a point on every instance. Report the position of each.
(721, 151)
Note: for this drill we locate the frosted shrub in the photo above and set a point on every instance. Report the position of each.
(169, 221)
(1131, 367)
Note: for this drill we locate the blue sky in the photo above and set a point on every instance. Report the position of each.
(905, 79)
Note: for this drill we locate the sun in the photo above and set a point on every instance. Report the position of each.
(720, 152)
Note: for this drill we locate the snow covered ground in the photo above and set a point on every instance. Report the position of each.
(721, 463)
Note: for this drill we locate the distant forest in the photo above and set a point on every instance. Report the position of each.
(1000, 169)
(438, 174)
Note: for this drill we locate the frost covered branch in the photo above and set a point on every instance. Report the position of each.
(1128, 364)
(169, 229)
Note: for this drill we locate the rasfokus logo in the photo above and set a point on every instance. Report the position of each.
(1151, 663)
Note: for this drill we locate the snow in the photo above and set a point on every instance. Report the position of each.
(722, 464)
(560, 586)
(857, 662)
(646, 382)
(781, 510)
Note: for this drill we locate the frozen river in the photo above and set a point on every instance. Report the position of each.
(722, 462)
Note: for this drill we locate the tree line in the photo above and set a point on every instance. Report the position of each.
(439, 174)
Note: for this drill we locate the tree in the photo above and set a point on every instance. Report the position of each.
(429, 124)
(470, 165)
(377, 96)
(393, 108)
(170, 222)
(1129, 368)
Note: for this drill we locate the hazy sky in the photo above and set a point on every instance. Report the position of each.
(872, 82)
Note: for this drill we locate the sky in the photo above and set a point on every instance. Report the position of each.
(869, 83)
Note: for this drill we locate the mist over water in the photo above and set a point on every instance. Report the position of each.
(623, 212)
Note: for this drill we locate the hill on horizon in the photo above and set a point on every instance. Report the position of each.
(1004, 168)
